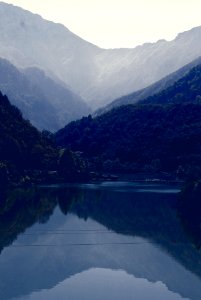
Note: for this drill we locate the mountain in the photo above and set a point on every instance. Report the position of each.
(22, 146)
(139, 138)
(187, 89)
(161, 133)
(97, 75)
(45, 45)
(67, 105)
(151, 90)
(46, 103)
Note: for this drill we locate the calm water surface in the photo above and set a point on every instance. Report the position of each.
(119, 241)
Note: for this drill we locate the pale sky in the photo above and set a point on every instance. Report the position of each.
(119, 23)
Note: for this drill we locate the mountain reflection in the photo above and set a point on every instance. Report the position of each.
(55, 233)
(21, 208)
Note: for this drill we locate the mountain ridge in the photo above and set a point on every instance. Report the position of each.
(155, 88)
(161, 133)
(47, 104)
(97, 75)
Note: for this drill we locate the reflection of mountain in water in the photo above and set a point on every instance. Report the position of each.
(146, 220)
(149, 215)
(23, 208)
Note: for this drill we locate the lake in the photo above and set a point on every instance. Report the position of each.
(110, 240)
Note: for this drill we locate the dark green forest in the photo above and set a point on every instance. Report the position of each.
(22, 147)
(154, 89)
(186, 89)
(28, 156)
(141, 137)
(162, 133)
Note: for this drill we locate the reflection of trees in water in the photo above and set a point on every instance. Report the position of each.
(190, 212)
(150, 215)
(21, 208)
(66, 198)
(153, 216)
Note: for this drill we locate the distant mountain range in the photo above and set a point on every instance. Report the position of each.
(97, 75)
(46, 103)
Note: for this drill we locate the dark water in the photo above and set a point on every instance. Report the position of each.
(106, 241)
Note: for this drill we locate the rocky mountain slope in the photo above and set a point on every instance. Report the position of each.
(151, 90)
(46, 103)
(98, 75)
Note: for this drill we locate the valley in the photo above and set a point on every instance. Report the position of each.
(100, 164)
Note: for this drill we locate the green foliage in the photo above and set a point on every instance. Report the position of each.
(3, 174)
(162, 133)
(142, 136)
(186, 89)
(22, 147)
(72, 167)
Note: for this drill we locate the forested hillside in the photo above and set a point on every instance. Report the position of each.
(151, 90)
(160, 133)
(22, 146)
(186, 89)
(139, 138)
